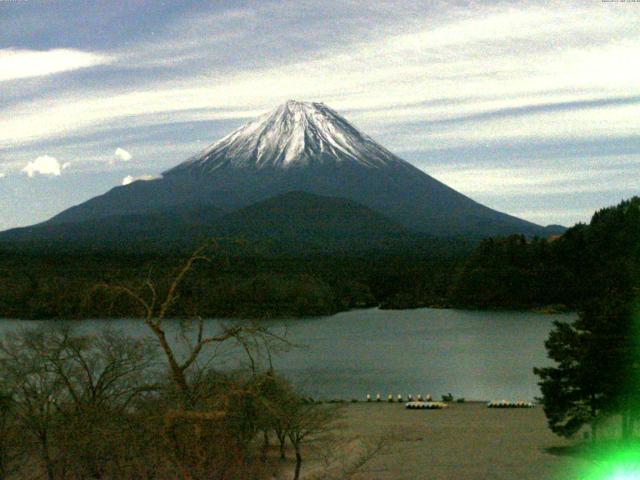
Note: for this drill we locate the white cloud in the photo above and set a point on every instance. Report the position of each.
(127, 180)
(596, 176)
(453, 60)
(559, 216)
(144, 178)
(122, 155)
(16, 64)
(3, 175)
(45, 165)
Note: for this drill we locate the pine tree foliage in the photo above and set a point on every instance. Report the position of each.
(597, 371)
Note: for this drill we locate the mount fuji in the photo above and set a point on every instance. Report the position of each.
(298, 147)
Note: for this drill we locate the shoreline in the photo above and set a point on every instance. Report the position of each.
(466, 441)
(537, 310)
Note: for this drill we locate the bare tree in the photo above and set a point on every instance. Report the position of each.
(156, 309)
(305, 422)
(35, 389)
(275, 396)
(105, 371)
(348, 458)
(188, 427)
(9, 448)
(101, 376)
(69, 393)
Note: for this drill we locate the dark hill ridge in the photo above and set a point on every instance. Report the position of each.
(176, 222)
(304, 217)
(303, 147)
(292, 220)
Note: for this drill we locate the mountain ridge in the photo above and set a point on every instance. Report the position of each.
(305, 147)
(293, 220)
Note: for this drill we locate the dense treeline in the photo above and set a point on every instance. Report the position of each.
(38, 284)
(596, 375)
(567, 271)
(515, 272)
(497, 273)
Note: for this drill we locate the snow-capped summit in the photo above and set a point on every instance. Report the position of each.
(294, 134)
(309, 148)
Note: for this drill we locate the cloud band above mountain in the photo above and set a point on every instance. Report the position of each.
(430, 77)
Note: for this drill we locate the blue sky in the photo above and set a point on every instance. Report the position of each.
(532, 108)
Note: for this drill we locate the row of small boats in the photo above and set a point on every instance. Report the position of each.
(425, 405)
(494, 404)
(399, 398)
(426, 402)
(506, 404)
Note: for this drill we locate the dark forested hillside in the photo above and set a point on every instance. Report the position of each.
(565, 271)
(37, 284)
(291, 223)
(255, 278)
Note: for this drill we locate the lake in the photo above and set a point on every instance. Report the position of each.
(477, 355)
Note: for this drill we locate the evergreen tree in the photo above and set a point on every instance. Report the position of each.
(597, 356)
(596, 372)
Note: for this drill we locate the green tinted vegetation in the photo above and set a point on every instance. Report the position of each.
(568, 271)
(597, 371)
(37, 284)
(284, 278)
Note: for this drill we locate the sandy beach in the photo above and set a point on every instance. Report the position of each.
(464, 441)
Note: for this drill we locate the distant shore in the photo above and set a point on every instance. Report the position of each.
(545, 310)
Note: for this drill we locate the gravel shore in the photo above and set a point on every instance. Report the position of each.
(464, 441)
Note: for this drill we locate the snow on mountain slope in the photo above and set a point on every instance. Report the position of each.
(294, 134)
(304, 147)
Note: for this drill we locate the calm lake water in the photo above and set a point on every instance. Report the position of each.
(471, 354)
